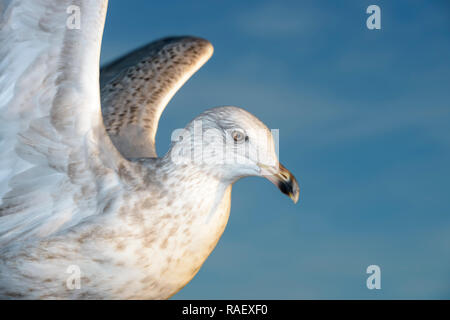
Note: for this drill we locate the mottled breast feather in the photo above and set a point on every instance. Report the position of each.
(136, 88)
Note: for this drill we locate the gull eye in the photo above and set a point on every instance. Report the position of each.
(239, 136)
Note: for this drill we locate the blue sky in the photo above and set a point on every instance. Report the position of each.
(364, 120)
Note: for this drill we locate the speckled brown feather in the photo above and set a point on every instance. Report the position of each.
(135, 90)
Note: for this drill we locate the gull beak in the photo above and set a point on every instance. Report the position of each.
(283, 179)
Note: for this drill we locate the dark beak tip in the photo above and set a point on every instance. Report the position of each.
(290, 188)
(286, 182)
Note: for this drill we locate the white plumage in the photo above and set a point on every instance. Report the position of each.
(85, 189)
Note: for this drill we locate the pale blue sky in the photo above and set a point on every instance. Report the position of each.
(364, 120)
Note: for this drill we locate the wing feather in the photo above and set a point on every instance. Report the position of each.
(50, 118)
(136, 88)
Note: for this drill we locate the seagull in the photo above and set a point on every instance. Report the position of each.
(88, 210)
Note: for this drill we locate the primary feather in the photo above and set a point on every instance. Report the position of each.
(136, 88)
(50, 116)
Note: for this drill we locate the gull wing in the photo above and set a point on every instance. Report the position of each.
(57, 162)
(136, 88)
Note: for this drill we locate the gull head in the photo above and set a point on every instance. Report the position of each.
(231, 143)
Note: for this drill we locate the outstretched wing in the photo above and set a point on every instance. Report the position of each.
(52, 174)
(135, 90)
